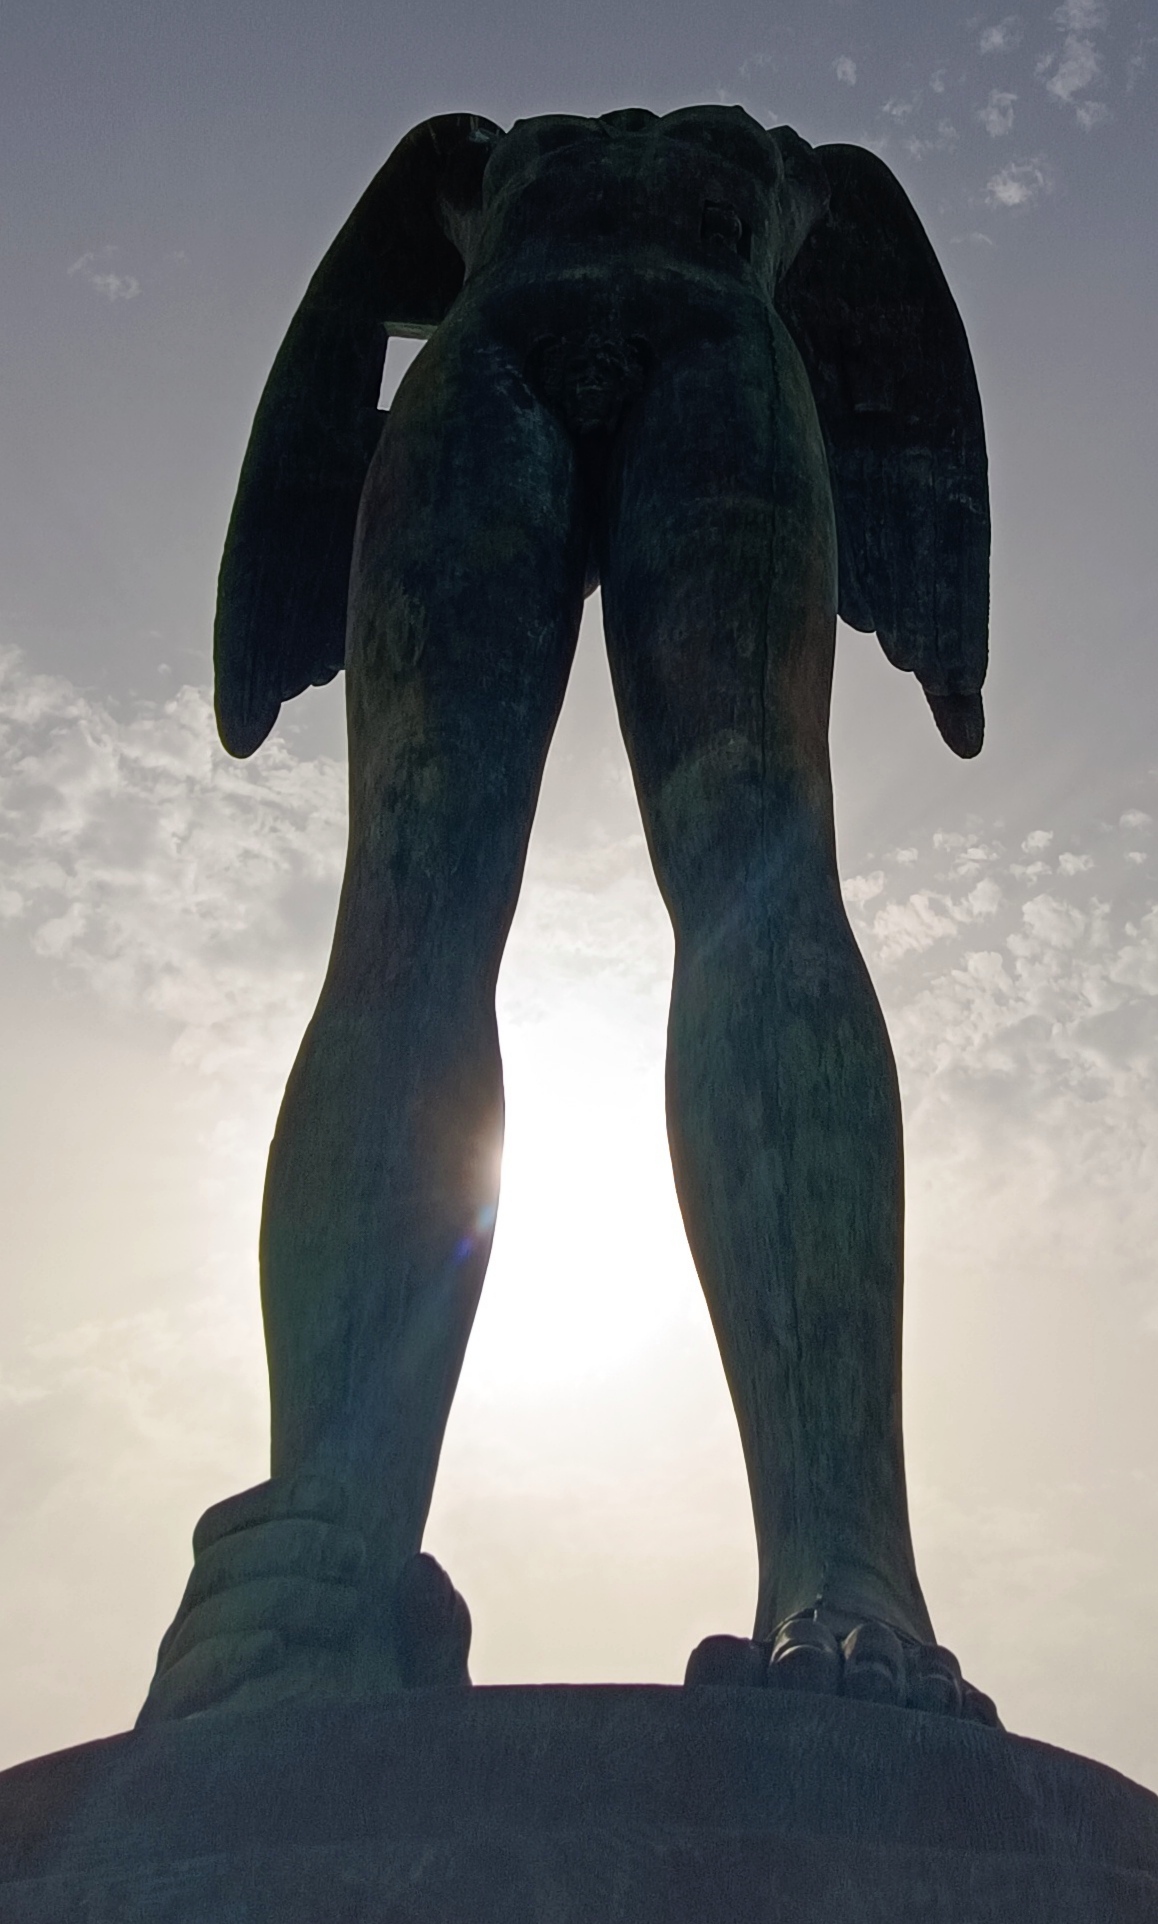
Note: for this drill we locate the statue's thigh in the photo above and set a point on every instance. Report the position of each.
(719, 590)
(466, 592)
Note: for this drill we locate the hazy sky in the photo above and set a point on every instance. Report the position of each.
(171, 176)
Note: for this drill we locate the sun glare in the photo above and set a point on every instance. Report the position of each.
(590, 1261)
(591, 1267)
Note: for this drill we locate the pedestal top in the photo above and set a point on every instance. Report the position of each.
(575, 1805)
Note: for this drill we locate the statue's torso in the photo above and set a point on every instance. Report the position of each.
(636, 200)
(599, 249)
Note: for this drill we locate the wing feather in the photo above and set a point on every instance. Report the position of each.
(896, 393)
(282, 590)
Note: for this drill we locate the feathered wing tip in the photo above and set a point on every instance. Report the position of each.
(890, 367)
(282, 590)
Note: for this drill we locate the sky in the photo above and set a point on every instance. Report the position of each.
(171, 176)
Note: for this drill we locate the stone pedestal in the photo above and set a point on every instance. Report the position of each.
(575, 1806)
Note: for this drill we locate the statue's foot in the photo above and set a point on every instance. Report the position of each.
(868, 1660)
(277, 1608)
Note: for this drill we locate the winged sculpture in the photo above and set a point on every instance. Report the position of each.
(718, 373)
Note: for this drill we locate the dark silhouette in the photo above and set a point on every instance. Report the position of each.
(719, 373)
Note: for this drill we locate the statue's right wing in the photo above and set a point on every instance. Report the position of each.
(886, 353)
(281, 595)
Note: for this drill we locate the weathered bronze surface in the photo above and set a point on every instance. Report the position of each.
(720, 373)
(574, 1805)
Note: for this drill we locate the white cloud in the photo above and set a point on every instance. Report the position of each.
(167, 876)
(1003, 37)
(1065, 958)
(117, 287)
(997, 115)
(975, 856)
(1077, 65)
(1091, 113)
(910, 927)
(846, 70)
(1137, 61)
(1020, 184)
(1072, 71)
(1081, 16)
(943, 142)
(95, 269)
(1057, 925)
(862, 888)
(981, 901)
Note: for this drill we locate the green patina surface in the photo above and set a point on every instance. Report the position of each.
(720, 373)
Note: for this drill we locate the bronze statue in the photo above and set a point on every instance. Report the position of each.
(720, 373)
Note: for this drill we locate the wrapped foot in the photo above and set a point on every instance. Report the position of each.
(431, 1625)
(275, 1580)
(279, 1605)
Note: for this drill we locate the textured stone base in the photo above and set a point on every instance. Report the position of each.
(575, 1806)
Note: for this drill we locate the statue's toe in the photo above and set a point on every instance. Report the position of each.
(731, 1663)
(874, 1664)
(979, 1708)
(934, 1680)
(805, 1656)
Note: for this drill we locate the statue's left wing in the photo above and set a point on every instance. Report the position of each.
(890, 367)
(281, 595)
